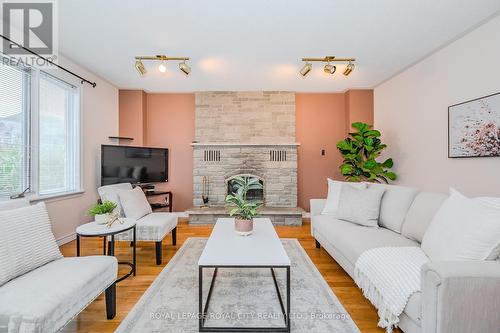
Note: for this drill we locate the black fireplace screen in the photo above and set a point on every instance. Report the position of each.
(252, 194)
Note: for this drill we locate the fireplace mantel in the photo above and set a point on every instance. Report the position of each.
(240, 144)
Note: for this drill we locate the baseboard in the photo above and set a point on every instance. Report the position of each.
(305, 215)
(66, 239)
(182, 214)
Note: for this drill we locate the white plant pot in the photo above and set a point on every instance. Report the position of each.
(101, 218)
(243, 227)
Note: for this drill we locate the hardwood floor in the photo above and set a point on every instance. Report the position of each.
(93, 318)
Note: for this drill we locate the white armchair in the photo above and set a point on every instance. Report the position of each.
(48, 297)
(152, 227)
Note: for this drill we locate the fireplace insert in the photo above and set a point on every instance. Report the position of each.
(253, 194)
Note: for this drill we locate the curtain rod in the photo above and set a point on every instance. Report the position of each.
(93, 84)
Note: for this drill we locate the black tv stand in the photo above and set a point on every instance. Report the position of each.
(167, 202)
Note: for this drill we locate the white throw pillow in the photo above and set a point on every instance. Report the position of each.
(134, 203)
(332, 200)
(110, 193)
(26, 241)
(360, 206)
(464, 229)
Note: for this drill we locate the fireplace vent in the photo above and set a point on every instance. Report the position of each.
(276, 155)
(211, 155)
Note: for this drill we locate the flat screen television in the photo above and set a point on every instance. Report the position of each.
(136, 165)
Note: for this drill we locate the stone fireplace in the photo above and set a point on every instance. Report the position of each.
(279, 177)
(249, 134)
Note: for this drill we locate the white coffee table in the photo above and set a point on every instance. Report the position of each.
(261, 249)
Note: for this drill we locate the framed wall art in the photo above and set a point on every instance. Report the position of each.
(474, 128)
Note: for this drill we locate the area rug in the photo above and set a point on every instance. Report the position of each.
(241, 297)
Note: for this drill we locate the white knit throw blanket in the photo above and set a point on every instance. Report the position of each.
(388, 276)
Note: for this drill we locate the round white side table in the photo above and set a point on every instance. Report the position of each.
(94, 229)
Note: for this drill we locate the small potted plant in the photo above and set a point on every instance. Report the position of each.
(102, 212)
(242, 209)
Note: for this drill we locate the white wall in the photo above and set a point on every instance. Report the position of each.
(411, 111)
(100, 120)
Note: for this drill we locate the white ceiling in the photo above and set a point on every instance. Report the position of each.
(257, 44)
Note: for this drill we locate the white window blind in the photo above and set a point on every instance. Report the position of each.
(58, 142)
(39, 132)
(15, 87)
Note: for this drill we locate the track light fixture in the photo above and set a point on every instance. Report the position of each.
(140, 67)
(329, 69)
(162, 67)
(184, 68)
(348, 70)
(305, 69)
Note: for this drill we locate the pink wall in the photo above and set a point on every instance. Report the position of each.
(132, 121)
(320, 124)
(359, 106)
(170, 124)
(167, 120)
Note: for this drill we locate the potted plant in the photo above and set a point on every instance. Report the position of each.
(360, 151)
(102, 212)
(242, 209)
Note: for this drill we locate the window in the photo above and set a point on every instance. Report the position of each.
(14, 129)
(58, 136)
(39, 132)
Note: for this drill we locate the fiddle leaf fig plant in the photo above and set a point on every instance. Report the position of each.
(360, 151)
(241, 207)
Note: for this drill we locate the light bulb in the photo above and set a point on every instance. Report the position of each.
(162, 68)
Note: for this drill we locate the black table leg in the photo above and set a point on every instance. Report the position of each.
(203, 309)
(134, 252)
(104, 245)
(77, 245)
(200, 298)
(111, 245)
(288, 298)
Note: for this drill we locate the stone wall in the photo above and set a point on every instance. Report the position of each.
(250, 117)
(280, 177)
(246, 133)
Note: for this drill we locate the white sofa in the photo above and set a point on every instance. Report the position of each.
(50, 296)
(460, 296)
(152, 227)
